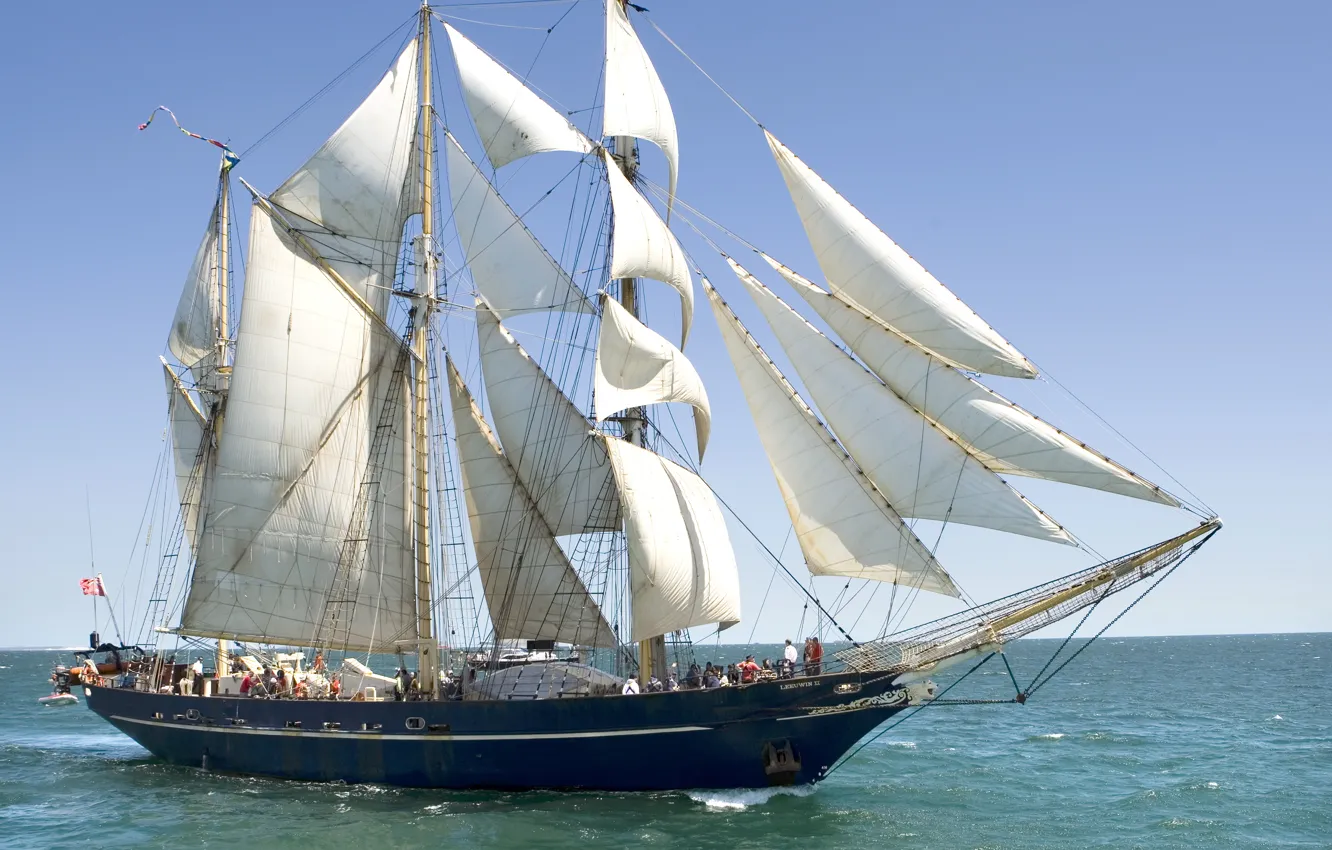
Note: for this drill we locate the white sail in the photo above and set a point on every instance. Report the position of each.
(510, 119)
(193, 337)
(509, 266)
(636, 366)
(348, 199)
(1006, 438)
(867, 268)
(545, 435)
(844, 524)
(920, 468)
(188, 426)
(643, 246)
(311, 379)
(682, 569)
(531, 589)
(636, 103)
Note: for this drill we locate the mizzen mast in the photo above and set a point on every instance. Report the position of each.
(427, 647)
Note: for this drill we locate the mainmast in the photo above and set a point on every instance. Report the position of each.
(427, 648)
(651, 652)
(222, 370)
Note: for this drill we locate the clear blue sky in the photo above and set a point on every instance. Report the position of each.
(1134, 194)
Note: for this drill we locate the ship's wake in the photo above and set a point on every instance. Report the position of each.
(743, 799)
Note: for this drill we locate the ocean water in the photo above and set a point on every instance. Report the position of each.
(1199, 742)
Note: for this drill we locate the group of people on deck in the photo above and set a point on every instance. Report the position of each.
(745, 672)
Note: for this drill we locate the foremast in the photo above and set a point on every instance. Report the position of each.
(426, 645)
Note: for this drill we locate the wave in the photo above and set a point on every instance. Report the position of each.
(739, 800)
(1048, 736)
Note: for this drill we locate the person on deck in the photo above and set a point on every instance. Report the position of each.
(789, 654)
(321, 668)
(630, 686)
(259, 688)
(712, 680)
(694, 679)
(654, 685)
(748, 669)
(245, 684)
(806, 655)
(815, 656)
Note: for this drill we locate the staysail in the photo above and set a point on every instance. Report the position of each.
(636, 103)
(869, 269)
(1006, 438)
(844, 524)
(636, 366)
(531, 589)
(682, 569)
(512, 121)
(545, 436)
(921, 469)
(643, 246)
(510, 268)
(313, 377)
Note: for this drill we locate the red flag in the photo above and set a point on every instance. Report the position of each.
(92, 586)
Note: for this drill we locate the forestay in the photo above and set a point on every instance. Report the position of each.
(531, 589)
(545, 435)
(867, 268)
(193, 337)
(921, 469)
(682, 569)
(636, 366)
(643, 246)
(512, 121)
(1003, 436)
(844, 524)
(636, 103)
(510, 268)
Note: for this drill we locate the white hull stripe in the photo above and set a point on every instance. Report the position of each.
(419, 736)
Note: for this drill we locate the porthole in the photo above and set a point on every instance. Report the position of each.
(416, 724)
(192, 714)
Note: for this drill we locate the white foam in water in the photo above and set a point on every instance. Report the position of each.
(737, 800)
(1049, 736)
(1276, 717)
(904, 745)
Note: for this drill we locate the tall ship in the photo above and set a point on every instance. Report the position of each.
(438, 524)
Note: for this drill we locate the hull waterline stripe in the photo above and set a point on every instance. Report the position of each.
(430, 736)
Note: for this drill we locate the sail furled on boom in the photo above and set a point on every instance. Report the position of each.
(921, 469)
(189, 428)
(866, 267)
(545, 436)
(843, 523)
(531, 589)
(682, 569)
(193, 336)
(510, 268)
(315, 374)
(636, 103)
(636, 366)
(1003, 436)
(512, 121)
(643, 246)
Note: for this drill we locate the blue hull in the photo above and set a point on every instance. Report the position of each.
(754, 736)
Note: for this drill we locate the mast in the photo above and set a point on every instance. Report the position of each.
(222, 287)
(651, 652)
(426, 647)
